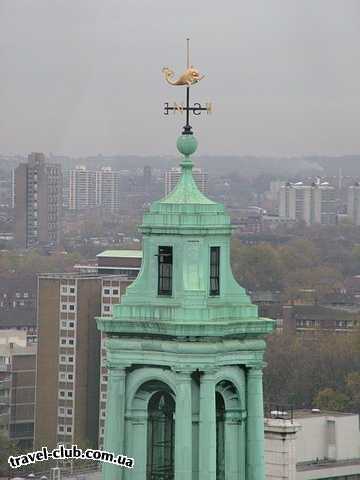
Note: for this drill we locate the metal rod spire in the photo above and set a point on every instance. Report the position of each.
(188, 53)
(187, 127)
(190, 77)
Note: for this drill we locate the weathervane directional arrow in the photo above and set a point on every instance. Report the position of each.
(190, 77)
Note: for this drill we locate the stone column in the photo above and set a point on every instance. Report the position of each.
(242, 445)
(115, 419)
(255, 462)
(207, 427)
(138, 445)
(183, 426)
(232, 447)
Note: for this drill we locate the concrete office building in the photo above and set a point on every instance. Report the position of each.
(172, 177)
(312, 204)
(38, 203)
(312, 445)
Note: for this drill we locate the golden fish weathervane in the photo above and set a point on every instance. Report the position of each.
(190, 77)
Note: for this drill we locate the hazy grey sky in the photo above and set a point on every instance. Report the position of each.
(82, 77)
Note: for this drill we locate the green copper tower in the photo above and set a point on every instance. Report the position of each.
(185, 347)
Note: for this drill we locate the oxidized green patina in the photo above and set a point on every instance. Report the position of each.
(190, 344)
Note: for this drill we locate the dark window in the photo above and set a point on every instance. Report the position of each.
(165, 271)
(214, 270)
(161, 437)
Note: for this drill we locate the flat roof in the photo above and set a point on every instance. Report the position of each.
(18, 349)
(321, 413)
(323, 464)
(121, 253)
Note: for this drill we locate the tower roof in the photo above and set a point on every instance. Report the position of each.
(186, 207)
(186, 287)
(190, 222)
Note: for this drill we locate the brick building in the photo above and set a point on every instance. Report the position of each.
(71, 374)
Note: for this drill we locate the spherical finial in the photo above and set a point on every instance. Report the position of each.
(187, 144)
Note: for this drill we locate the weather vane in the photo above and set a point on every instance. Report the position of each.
(190, 77)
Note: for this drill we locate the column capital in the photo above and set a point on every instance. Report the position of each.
(115, 369)
(183, 371)
(255, 368)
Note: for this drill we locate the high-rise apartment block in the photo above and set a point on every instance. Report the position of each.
(110, 188)
(71, 372)
(93, 188)
(81, 188)
(67, 382)
(312, 204)
(38, 202)
(147, 178)
(173, 176)
(353, 203)
(7, 192)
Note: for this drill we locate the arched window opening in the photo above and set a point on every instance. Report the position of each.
(161, 437)
(220, 437)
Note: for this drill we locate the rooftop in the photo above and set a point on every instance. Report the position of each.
(323, 311)
(320, 413)
(18, 349)
(322, 464)
(17, 317)
(121, 253)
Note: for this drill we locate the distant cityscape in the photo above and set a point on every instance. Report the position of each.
(38, 197)
(54, 211)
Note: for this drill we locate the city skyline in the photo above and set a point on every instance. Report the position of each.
(81, 79)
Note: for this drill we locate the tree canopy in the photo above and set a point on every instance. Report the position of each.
(314, 371)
